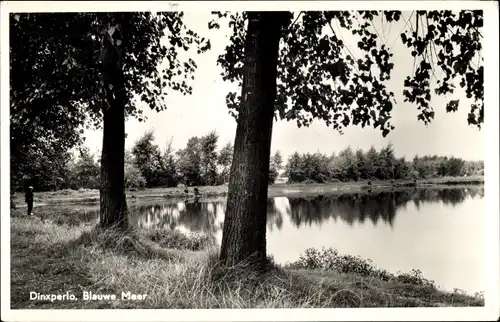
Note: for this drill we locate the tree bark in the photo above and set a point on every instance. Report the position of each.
(244, 232)
(113, 205)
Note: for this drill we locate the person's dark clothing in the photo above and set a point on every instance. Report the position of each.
(29, 200)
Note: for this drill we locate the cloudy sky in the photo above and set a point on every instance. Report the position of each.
(205, 110)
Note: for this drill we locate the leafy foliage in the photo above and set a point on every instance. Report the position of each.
(381, 165)
(452, 41)
(84, 172)
(190, 162)
(148, 159)
(209, 158)
(41, 165)
(133, 175)
(178, 240)
(70, 43)
(168, 168)
(318, 79)
(276, 164)
(56, 78)
(199, 161)
(224, 160)
(330, 259)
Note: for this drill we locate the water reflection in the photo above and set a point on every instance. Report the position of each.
(451, 197)
(399, 230)
(376, 207)
(193, 216)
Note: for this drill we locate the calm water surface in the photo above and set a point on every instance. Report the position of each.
(439, 232)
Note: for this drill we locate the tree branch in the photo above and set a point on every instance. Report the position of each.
(397, 36)
(430, 49)
(414, 57)
(293, 23)
(345, 45)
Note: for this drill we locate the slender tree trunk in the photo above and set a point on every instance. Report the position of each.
(113, 206)
(244, 232)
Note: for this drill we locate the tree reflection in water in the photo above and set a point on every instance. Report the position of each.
(378, 207)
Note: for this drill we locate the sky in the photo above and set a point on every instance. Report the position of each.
(205, 110)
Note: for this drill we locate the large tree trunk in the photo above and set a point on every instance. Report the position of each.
(244, 232)
(113, 206)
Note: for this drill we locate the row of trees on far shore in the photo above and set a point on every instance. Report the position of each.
(349, 165)
(204, 163)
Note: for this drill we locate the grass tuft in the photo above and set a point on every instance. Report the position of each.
(127, 242)
(178, 240)
(59, 258)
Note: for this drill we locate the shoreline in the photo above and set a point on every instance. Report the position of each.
(176, 271)
(90, 197)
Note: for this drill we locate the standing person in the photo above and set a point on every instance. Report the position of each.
(197, 194)
(12, 203)
(29, 199)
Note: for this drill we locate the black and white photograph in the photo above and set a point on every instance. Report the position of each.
(335, 160)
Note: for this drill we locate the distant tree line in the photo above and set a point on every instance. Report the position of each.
(200, 163)
(203, 163)
(348, 165)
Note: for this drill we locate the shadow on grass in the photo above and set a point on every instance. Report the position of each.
(53, 258)
(43, 262)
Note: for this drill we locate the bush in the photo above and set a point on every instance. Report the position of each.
(133, 177)
(273, 175)
(178, 240)
(414, 277)
(330, 259)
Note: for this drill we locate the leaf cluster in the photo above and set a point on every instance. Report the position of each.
(320, 78)
(56, 58)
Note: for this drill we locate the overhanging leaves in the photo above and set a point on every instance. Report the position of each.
(318, 77)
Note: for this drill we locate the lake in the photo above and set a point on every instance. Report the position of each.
(439, 231)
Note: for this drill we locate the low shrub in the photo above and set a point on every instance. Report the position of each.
(330, 259)
(414, 277)
(175, 239)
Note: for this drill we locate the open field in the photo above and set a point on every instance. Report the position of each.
(176, 271)
(158, 194)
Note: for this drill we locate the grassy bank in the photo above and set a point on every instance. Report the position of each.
(178, 271)
(92, 196)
